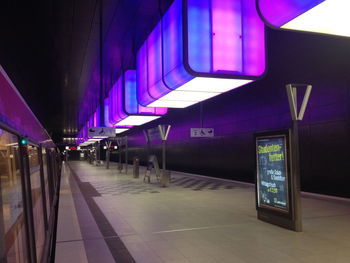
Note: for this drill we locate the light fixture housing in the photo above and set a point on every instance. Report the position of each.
(198, 50)
(319, 16)
(106, 112)
(96, 118)
(95, 139)
(123, 108)
(93, 121)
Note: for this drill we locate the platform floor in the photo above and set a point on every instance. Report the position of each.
(109, 217)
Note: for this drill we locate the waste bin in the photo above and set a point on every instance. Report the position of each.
(165, 178)
(136, 169)
(120, 167)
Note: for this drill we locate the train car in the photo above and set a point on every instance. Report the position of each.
(30, 169)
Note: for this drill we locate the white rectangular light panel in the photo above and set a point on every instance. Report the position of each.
(94, 140)
(120, 130)
(217, 85)
(188, 95)
(329, 17)
(171, 104)
(197, 90)
(137, 120)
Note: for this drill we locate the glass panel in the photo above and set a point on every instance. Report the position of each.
(199, 32)
(143, 96)
(156, 87)
(113, 117)
(119, 106)
(175, 74)
(227, 35)
(38, 212)
(12, 226)
(54, 174)
(107, 123)
(46, 180)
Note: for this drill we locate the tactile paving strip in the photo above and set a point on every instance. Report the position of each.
(137, 187)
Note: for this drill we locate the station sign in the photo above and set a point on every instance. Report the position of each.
(101, 132)
(202, 132)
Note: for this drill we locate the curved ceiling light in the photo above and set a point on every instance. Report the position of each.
(82, 135)
(94, 121)
(107, 123)
(91, 121)
(123, 108)
(320, 16)
(199, 49)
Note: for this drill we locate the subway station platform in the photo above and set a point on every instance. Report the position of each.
(106, 216)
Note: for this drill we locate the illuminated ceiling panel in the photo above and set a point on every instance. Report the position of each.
(198, 50)
(120, 130)
(137, 120)
(123, 108)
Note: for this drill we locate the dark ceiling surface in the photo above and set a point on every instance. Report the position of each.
(26, 54)
(50, 49)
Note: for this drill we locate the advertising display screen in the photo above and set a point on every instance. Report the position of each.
(272, 172)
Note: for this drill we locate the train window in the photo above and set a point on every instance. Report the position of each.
(12, 226)
(54, 170)
(37, 202)
(46, 180)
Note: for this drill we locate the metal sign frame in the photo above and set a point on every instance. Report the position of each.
(286, 213)
(289, 218)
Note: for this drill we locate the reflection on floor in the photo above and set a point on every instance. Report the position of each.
(105, 216)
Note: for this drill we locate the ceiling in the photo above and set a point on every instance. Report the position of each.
(51, 51)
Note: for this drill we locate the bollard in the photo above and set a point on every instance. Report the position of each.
(136, 168)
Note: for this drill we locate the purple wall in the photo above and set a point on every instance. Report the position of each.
(321, 61)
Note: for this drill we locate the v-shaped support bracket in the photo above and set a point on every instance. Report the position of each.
(292, 99)
(108, 144)
(121, 141)
(164, 131)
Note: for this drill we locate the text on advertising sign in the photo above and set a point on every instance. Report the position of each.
(272, 174)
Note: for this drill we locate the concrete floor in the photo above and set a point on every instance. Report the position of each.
(196, 219)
